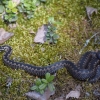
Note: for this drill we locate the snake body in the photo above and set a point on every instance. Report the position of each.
(86, 68)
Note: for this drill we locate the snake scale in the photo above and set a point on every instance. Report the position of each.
(88, 67)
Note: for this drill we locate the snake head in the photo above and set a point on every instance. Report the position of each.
(1, 48)
(4, 48)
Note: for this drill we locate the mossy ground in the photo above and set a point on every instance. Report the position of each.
(74, 30)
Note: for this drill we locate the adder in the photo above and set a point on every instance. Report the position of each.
(88, 67)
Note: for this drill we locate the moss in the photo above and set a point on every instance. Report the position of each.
(72, 34)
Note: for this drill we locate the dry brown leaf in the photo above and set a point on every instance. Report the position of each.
(37, 96)
(4, 35)
(40, 35)
(90, 11)
(75, 93)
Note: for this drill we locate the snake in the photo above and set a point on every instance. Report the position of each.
(88, 67)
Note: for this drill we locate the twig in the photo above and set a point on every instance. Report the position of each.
(87, 42)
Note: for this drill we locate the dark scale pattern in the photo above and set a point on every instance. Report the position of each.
(85, 69)
(97, 76)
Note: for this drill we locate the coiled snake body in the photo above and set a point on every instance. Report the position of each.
(86, 68)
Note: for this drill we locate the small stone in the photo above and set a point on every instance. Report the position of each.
(87, 94)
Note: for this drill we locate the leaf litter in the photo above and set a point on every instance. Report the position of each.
(74, 93)
(41, 34)
(4, 35)
(38, 96)
(90, 11)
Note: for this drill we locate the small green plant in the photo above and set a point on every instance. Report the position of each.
(2, 8)
(27, 7)
(42, 84)
(10, 12)
(51, 36)
(3, 3)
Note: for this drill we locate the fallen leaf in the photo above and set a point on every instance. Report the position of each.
(60, 98)
(90, 11)
(4, 35)
(41, 34)
(75, 93)
(38, 96)
(33, 95)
